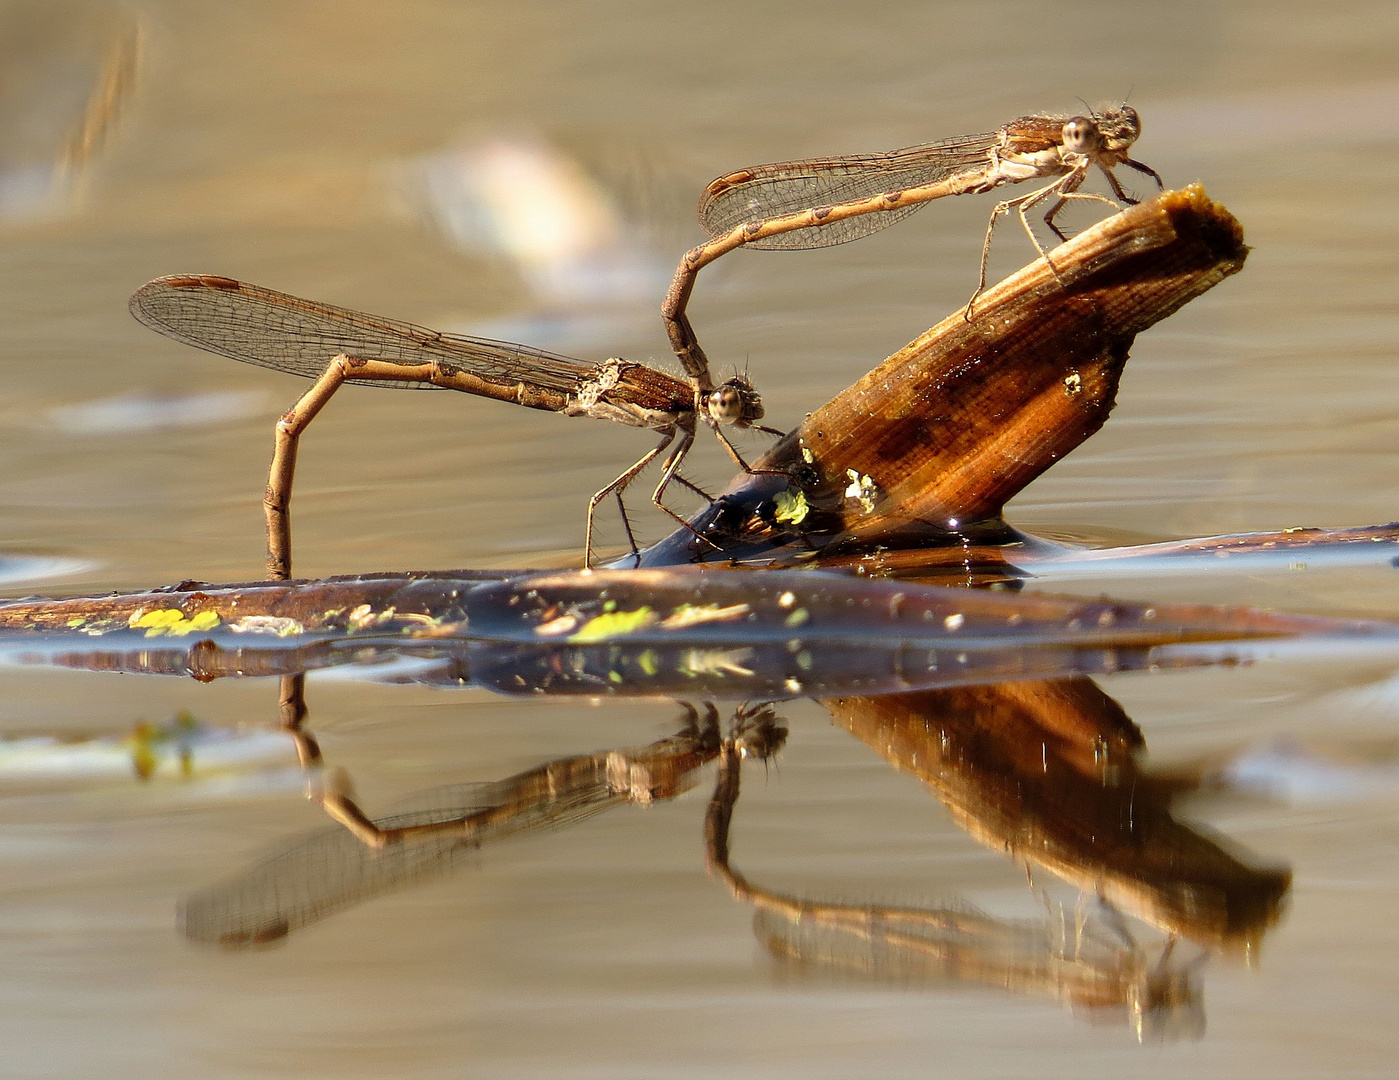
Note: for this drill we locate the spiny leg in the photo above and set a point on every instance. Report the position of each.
(738, 458)
(619, 484)
(1064, 201)
(1070, 191)
(694, 487)
(1117, 187)
(668, 471)
(276, 502)
(1146, 170)
(1001, 208)
(1065, 188)
(1021, 204)
(626, 525)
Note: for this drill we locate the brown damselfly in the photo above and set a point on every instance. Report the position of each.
(439, 831)
(1090, 965)
(333, 345)
(819, 202)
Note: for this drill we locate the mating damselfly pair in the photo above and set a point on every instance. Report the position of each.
(810, 203)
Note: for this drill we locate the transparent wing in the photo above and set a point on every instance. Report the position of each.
(879, 943)
(275, 330)
(912, 946)
(789, 187)
(332, 869)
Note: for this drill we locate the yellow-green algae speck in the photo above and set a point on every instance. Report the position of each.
(172, 622)
(687, 615)
(791, 506)
(613, 624)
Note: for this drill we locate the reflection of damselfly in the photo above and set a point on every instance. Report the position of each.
(819, 202)
(1086, 965)
(334, 345)
(443, 828)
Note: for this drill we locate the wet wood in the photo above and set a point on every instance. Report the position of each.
(679, 604)
(680, 632)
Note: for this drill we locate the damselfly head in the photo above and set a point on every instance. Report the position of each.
(735, 402)
(1120, 128)
(1172, 1011)
(1167, 1003)
(757, 731)
(1113, 132)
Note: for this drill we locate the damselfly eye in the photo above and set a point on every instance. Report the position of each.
(1081, 135)
(726, 404)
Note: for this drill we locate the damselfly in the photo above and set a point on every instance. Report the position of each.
(333, 345)
(1086, 965)
(819, 202)
(438, 832)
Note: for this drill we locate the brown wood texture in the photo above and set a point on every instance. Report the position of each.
(1045, 771)
(962, 419)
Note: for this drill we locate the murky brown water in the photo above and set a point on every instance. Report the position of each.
(334, 150)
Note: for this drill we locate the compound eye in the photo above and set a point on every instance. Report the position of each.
(1080, 135)
(725, 405)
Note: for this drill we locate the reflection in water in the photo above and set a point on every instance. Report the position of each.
(1043, 771)
(339, 867)
(67, 71)
(1092, 965)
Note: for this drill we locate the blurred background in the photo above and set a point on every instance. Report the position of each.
(529, 171)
